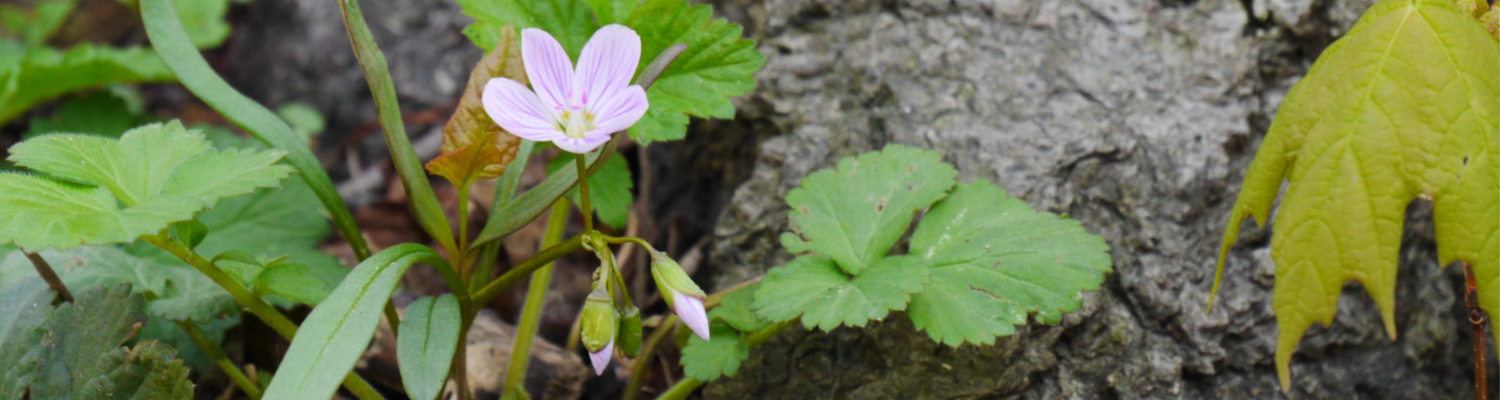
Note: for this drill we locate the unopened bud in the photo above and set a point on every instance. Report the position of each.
(599, 324)
(680, 292)
(629, 336)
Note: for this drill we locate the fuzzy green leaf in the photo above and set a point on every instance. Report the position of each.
(31, 76)
(825, 297)
(717, 66)
(25, 308)
(101, 113)
(424, 351)
(609, 188)
(706, 361)
(855, 213)
(182, 293)
(734, 309)
(994, 260)
(161, 173)
(1388, 113)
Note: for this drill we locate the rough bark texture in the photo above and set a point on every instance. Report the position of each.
(1137, 118)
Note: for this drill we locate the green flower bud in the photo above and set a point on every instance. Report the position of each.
(629, 336)
(600, 321)
(680, 292)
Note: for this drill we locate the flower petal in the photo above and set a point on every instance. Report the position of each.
(690, 310)
(600, 359)
(548, 67)
(607, 63)
(579, 146)
(517, 110)
(620, 111)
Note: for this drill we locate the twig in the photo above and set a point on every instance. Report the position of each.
(1478, 319)
(45, 270)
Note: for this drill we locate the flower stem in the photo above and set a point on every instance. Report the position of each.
(215, 353)
(583, 193)
(688, 385)
(251, 302)
(45, 270)
(536, 299)
(638, 373)
(510, 278)
(465, 271)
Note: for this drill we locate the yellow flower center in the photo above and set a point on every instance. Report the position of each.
(576, 123)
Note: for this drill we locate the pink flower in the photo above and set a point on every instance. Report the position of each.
(690, 310)
(600, 358)
(576, 109)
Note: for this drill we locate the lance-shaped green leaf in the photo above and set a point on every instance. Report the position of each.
(994, 260)
(336, 332)
(29, 76)
(1466, 219)
(160, 173)
(424, 351)
(1389, 113)
(855, 213)
(708, 360)
(825, 297)
(717, 66)
(609, 189)
(24, 309)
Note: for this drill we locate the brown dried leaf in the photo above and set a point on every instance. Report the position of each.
(470, 162)
(470, 123)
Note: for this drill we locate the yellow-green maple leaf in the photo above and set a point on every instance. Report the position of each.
(1388, 113)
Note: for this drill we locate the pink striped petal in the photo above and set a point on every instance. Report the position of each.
(690, 310)
(620, 111)
(516, 109)
(579, 146)
(607, 63)
(548, 67)
(600, 358)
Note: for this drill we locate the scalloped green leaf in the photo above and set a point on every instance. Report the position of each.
(814, 289)
(568, 21)
(152, 176)
(609, 188)
(103, 113)
(994, 260)
(718, 65)
(708, 360)
(855, 213)
(1387, 114)
(734, 309)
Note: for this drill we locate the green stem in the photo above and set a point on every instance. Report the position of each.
(583, 193)
(459, 258)
(45, 270)
(638, 367)
(628, 239)
(393, 318)
(688, 385)
(251, 302)
(424, 202)
(510, 278)
(215, 353)
(536, 299)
